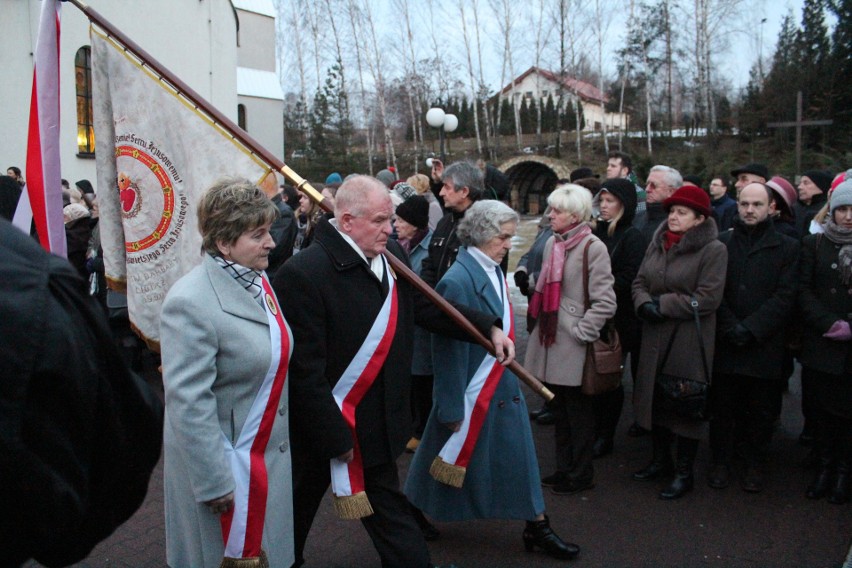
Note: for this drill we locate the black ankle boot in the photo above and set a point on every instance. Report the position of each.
(684, 479)
(840, 491)
(539, 533)
(661, 462)
(819, 486)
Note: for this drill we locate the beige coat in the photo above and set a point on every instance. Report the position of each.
(562, 362)
(696, 266)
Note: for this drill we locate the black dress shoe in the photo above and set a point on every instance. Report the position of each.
(571, 486)
(636, 431)
(753, 481)
(655, 470)
(602, 447)
(719, 476)
(680, 486)
(539, 534)
(536, 413)
(554, 479)
(819, 486)
(546, 418)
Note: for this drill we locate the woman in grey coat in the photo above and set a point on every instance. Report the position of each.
(684, 261)
(226, 349)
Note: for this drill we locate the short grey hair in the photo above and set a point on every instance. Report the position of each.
(572, 198)
(466, 174)
(482, 222)
(353, 194)
(671, 176)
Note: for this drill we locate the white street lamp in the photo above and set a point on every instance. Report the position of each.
(437, 118)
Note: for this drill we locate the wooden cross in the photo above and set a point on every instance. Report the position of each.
(798, 124)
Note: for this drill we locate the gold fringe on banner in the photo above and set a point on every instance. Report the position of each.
(447, 473)
(254, 562)
(353, 506)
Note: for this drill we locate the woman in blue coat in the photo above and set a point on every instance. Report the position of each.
(477, 459)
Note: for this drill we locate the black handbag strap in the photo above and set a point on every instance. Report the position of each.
(694, 304)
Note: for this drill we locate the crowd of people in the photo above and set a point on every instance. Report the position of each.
(296, 357)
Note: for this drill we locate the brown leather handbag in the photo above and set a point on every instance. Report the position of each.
(603, 367)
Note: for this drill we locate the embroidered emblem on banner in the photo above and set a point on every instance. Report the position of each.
(152, 217)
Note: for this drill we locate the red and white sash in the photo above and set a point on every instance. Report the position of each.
(451, 463)
(347, 479)
(242, 526)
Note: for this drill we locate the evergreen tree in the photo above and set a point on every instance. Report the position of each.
(840, 66)
(814, 51)
(319, 120)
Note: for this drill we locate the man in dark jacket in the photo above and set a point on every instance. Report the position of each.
(332, 294)
(724, 207)
(662, 183)
(461, 187)
(748, 381)
(813, 193)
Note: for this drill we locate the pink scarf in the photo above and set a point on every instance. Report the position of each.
(548, 289)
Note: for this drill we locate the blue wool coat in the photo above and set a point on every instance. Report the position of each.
(502, 480)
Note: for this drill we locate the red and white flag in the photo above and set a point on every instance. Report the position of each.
(42, 200)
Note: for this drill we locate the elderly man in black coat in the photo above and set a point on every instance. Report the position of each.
(748, 367)
(331, 294)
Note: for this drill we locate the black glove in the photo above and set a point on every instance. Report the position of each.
(739, 335)
(522, 281)
(650, 312)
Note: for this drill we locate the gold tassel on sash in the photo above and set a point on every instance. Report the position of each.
(447, 473)
(353, 506)
(254, 562)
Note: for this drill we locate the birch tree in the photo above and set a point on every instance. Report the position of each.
(602, 20)
(355, 21)
(541, 29)
(376, 63)
(414, 96)
(474, 90)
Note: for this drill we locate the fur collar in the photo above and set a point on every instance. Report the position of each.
(693, 240)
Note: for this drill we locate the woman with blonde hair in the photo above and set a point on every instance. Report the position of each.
(420, 183)
(564, 328)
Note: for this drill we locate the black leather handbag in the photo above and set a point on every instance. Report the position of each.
(683, 396)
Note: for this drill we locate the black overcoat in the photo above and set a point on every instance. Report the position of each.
(330, 298)
(823, 299)
(760, 293)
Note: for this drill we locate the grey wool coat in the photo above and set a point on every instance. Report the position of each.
(694, 267)
(562, 362)
(215, 343)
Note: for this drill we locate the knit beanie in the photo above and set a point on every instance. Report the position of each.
(387, 177)
(414, 210)
(821, 178)
(333, 177)
(403, 189)
(842, 195)
(690, 196)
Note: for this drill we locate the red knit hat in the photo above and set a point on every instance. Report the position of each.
(690, 196)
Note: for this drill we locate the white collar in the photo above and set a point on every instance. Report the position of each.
(491, 268)
(376, 264)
